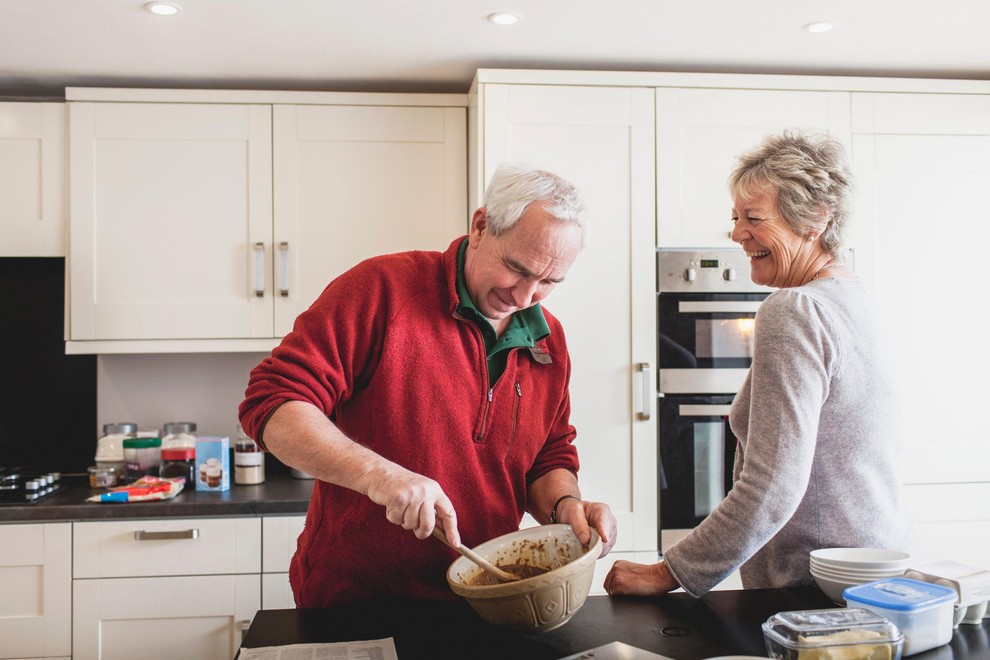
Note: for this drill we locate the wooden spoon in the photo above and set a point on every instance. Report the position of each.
(503, 576)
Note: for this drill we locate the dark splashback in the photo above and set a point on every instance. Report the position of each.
(47, 398)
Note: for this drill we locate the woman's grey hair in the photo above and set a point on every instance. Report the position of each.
(514, 186)
(808, 174)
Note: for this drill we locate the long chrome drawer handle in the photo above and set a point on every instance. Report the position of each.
(142, 535)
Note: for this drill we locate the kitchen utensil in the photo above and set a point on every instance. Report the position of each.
(536, 604)
(503, 576)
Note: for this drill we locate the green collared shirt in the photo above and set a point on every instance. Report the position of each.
(526, 327)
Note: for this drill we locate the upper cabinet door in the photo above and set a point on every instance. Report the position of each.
(32, 179)
(701, 132)
(601, 139)
(171, 228)
(352, 182)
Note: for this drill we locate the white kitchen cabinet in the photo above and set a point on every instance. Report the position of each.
(164, 588)
(35, 598)
(32, 179)
(171, 221)
(209, 226)
(278, 544)
(601, 139)
(701, 132)
(352, 182)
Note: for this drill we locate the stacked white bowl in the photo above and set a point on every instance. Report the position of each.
(834, 569)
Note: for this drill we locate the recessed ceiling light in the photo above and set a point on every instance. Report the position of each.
(503, 18)
(163, 8)
(818, 26)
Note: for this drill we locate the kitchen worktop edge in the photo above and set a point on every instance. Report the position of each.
(278, 495)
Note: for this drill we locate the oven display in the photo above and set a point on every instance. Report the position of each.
(709, 263)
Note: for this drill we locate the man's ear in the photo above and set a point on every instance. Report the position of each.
(479, 223)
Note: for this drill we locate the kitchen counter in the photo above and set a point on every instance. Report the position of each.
(674, 625)
(279, 494)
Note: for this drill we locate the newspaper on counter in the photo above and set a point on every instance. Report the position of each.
(372, 649)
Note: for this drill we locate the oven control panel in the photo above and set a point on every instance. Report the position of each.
(704, 271)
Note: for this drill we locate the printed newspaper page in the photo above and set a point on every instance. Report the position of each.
(374, 649)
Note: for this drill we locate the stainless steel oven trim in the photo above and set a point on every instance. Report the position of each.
(701, 381)
(714, 306)
(703, 410)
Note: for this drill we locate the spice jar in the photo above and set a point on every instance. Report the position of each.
(249, 461)
(179, 462)
(142, 456)
(102, 476)
(179, 434)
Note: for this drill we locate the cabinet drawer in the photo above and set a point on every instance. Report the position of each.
(279, 534)
(138, 548)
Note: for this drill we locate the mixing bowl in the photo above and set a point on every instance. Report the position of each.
(539, 603)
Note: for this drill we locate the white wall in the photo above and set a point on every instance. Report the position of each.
(150, 390)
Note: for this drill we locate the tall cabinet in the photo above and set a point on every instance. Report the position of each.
(206, 221)
(601, 139)
(923, 163)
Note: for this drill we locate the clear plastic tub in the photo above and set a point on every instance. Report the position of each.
(922, 611)
(832, 633)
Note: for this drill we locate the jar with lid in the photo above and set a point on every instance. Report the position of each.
(110, 448)
(249, 460)
(179, 462)
(142, 456)
(179, 435)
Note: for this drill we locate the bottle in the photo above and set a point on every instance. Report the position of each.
(179, 435)
(142, 456)
(110, 448)
(249, 460)
(179, 462)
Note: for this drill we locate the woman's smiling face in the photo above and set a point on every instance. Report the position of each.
(778, 256)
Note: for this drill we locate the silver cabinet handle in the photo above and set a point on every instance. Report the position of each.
(644, 414)
(283, 269)
(182, 534)
(259, 270)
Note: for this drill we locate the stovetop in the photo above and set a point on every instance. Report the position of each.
(21, 485)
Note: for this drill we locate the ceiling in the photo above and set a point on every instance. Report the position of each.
(436, 45)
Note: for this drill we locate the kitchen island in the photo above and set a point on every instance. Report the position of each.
(674, 625)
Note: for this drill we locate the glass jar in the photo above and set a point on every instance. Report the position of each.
(249, 461)
(110, 446)
(102, 477)
(179, 462)
(142, 456)
(179, 435)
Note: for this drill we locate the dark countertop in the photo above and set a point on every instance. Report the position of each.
(674, 625)
(279, 494)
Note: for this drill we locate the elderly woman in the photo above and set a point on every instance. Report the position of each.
(815, 418)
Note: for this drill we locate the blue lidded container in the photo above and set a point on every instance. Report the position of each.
(920, 610)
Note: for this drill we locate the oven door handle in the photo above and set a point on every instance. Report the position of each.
(703, 410)
(725, 306)
(644, 414)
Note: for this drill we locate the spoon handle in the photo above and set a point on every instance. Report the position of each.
(504, 576)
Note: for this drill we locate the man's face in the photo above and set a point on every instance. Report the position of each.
(518, 269)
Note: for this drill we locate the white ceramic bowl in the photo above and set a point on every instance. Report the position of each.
(861, 558)
(833, 587)
(858, 575)
(535, 604)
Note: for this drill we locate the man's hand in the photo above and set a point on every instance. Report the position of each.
(414, 502)
(631, 579)
(582, 515)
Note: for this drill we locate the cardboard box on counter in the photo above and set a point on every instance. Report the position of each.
(213, 463)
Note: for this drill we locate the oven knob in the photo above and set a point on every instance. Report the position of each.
(690, 274)
(729, 274)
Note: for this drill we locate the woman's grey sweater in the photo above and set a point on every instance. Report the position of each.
(816, 463)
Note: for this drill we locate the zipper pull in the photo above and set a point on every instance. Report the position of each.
(490, 390)
(519, 390)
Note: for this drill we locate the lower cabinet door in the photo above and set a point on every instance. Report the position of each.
(35, 585)
(194, 618)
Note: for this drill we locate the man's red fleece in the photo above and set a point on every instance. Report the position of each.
(383, 353)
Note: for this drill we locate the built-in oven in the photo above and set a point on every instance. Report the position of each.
(706, 307)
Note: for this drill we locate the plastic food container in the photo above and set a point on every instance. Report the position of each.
(142, 456)
(834, 633)
(922, 611)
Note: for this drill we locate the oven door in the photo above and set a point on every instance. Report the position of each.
(705, 342)
(697, 452)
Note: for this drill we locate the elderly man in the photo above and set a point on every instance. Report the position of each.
(429, 389)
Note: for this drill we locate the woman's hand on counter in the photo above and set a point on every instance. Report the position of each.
(631, 579)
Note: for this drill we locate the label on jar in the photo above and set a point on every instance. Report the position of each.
(248, 458)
